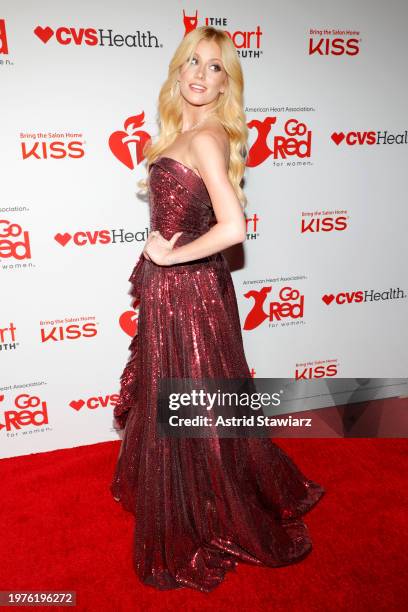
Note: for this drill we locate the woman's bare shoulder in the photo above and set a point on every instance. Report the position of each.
(219, 135)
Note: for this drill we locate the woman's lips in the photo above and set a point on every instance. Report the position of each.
(197, 89)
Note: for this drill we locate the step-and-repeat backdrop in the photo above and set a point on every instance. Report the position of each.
(321, 280)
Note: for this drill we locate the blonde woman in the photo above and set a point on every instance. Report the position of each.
(201, 504)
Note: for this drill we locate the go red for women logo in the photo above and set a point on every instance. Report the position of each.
(295, 141)
(28, 410)
(14, 242)
(288, 305)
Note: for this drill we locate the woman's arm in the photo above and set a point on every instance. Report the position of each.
(207, 156)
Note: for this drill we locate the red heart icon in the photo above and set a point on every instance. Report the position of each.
(128, 322)
(44, 34)
(337, 137)
(63, 239)
(328, 298)
(77, 404)
(1, 398)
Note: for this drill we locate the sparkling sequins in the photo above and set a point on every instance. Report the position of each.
(201, 505)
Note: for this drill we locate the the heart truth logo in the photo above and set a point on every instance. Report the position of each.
(92, 37)
(368, 295)
(8, 339)
(248, 41)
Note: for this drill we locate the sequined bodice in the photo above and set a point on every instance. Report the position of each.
(179, 201)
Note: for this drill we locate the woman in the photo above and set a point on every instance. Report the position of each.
(201, 504)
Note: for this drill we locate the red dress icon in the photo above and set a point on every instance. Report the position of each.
(201, 504)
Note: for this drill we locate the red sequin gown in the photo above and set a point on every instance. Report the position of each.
(201, 504)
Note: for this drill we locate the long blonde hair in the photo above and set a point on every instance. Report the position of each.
(229, 109)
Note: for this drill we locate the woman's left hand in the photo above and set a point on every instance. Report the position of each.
(158, 249)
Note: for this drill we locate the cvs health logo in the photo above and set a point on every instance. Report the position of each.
(354, 138)
(14, 242)
(28, 410)
(92, 37)
(86, 237)
(92, 403)
(127, 144)
(346, 297)
(289, 304)
(67, 36)
(296, 141)
(369, 138)
(368, 295)
(60, 330)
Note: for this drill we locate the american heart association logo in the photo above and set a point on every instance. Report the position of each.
(128, 321)
(127, 146)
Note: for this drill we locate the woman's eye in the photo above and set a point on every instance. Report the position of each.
(194, 59)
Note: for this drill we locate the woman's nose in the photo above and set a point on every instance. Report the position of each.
(199, 73)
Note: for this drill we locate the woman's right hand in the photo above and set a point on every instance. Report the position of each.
(149, 239)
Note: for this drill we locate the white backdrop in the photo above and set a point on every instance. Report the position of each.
(325, 98)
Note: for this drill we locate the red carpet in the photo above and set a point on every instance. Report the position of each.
(62, 530)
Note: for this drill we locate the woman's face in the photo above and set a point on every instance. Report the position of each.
(204, 77)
